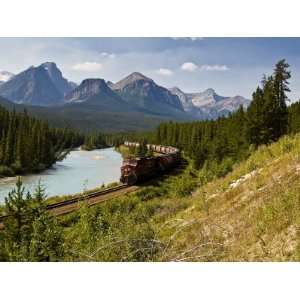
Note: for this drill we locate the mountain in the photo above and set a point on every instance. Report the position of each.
(95, 92)
(208, 104)
(43, 85)
(136, 100)
(143, 92)
(62, 84)
(5, 76)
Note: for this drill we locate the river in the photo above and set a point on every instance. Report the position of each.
(78, 171)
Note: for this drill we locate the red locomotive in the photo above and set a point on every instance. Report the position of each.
(138, 169)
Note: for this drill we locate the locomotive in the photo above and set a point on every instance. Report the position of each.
(134, 170)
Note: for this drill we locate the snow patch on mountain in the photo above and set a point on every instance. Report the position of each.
(5, 76)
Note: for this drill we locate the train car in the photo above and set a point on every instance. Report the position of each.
(136, 170)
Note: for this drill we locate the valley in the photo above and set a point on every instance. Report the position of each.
(136, 101)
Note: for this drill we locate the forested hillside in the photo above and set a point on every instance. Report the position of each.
(218, 144)
(29, 145)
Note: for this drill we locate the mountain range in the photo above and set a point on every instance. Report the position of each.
(208, 104)
(135, 102)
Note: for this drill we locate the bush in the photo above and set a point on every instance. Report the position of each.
(149, 193)
(183, 186)
(224, 167)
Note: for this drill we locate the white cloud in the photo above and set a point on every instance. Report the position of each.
(88, 67)
(213, 68)
(109, 55)
(164, 72)
(189, 67)
(193, 38)
(192, 67)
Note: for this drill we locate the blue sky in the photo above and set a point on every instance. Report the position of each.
(232, 66)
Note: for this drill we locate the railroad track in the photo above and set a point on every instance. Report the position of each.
(74, 203)
(85, 197)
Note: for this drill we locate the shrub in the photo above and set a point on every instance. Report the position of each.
(183, 186)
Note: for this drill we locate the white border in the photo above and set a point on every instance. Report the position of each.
(149, 18)
(149, 281)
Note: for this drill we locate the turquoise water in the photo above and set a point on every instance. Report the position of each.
(78, 171)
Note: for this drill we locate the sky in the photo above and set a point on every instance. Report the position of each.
(231, 66)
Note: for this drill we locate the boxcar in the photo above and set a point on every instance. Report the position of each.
(136, 170)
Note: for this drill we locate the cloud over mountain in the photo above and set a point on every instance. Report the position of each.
(189, 67)
(88, 67)
(164, 72)
(192, 67)
(214, 68)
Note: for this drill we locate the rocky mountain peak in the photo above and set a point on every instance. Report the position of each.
(62, 84)
(131, 79)
(138, 76)
(49, 64)
(208, 104)
(51, 69)
(209, 91)
(176, 90)
(88, 88)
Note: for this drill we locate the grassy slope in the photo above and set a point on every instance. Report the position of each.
(252, 214)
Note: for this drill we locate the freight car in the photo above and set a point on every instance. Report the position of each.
(138, 169)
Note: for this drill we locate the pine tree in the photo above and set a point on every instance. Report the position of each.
(281, 86)
(17, 228)
(267, 116)
(46, 242)
(30, 233)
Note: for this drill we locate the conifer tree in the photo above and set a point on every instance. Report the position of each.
(281, 87)
(30, 233)
(46, 243)
(17, 228)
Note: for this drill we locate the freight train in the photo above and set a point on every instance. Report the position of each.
(138, 169)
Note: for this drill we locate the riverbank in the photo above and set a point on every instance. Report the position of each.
(17, 170)
(6, 172)
(79, 171)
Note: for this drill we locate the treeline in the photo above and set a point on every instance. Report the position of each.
(29, 145)
(217, 144)
(94, 140)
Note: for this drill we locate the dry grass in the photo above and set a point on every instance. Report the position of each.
(252, 214)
